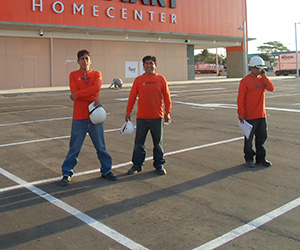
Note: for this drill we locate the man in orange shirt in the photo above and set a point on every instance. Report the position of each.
(251, 107)
(152, 91)
(85, 85)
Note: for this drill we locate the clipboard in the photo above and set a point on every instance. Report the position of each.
(246, 128)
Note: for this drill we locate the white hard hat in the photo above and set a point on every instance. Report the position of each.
(127, 128)
(257, 62)
(118, 82)
(97, 113)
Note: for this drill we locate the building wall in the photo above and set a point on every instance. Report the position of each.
(26, 61)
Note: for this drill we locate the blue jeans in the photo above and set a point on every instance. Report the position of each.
(260, 131)
(139, 153)
(79, 130)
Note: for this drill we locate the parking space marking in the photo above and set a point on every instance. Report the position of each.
(195, 90)
(208, 105)
(225, 238)
(31, 108)
(250, 226)
(47, 139)
(33, 141)
(231, 106)
(39, 182)
(116, 236)
(35, 121)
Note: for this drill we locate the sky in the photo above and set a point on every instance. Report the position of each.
(273, 20)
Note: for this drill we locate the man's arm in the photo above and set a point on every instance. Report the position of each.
(241, 101)
(131, 101)
(92, 92)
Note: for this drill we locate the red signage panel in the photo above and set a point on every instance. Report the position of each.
(208, 17)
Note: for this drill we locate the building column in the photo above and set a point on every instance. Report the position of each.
(235, 62)
(191, 62)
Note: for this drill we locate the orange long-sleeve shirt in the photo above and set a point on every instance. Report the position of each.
(151, 90)
(251, 96)
(85, 92)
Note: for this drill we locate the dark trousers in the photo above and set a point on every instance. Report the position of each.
(259, 130)
(139, 153)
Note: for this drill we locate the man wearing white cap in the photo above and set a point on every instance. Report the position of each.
(251, 107)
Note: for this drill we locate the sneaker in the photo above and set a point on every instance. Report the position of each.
(134, 170)
(161, 170)
(264, 163)
(250, 164)
(110, 176)
(65, 181)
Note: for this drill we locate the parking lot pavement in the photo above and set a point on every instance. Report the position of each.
(208, 199)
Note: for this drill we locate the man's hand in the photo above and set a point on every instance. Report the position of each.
(127, 117)
(241, 118)
(73, 97)
(97, 102)
(262, 72)
(167, 118)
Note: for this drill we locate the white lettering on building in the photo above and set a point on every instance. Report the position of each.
(54, 8)
(138, 15)
(151, 15)
(108, 12)
(78, 9)
(59, 8)
(124, 14)
(95, 10)
(162, 17)
(40, 5)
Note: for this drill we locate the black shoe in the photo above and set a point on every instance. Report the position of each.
(110, 176)
(134, 170)
(250, 164)
(264, 163)
(65, 181)
(161, 170)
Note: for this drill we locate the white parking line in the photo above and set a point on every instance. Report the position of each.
(116, 236)
(47, 139)
(231, 106)
(225, 238)
(195, 90)
(39, 182)
(35, 121)
(254, 224)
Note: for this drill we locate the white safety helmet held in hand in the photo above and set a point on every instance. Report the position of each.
(257, 62)
(127, 128)
(97, 113)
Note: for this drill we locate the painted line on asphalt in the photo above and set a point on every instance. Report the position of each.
(231, 106)
(250, 226)
(116, 236)
(225, 238)
(35, 121)
(47, 139)
(39, 182)
(195, 90)
(180, 91)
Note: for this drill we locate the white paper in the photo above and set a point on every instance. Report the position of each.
(131, 69)
(246, 128)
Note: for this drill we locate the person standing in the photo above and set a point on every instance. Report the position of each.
(251, 107)
(152, 91)
(85, 85)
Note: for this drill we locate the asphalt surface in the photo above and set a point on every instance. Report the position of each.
(208, 199)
